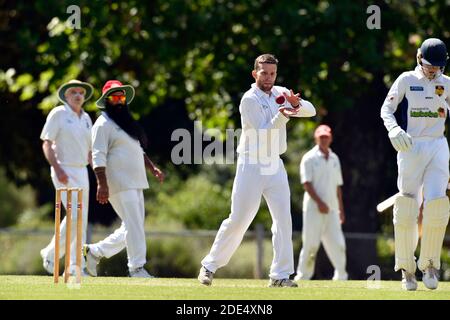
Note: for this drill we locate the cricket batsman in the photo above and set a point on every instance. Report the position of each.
(423, 159)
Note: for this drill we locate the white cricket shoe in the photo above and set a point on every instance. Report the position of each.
(282, 283)
(91, 261)
(205, 276)
(140, 273)
(47, 264)
(409, 281)
(340, 276)
(431, 277)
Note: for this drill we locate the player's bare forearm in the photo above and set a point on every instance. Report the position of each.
(49, 154)
(341, 202)
(341, 205)
(102, 185)
(154, 169)
(312, 192)
(51, 158)
(148, 163)
(100, 174)
(90, 159)
(323, 207)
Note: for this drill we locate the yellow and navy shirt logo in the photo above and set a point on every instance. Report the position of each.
(439, 90)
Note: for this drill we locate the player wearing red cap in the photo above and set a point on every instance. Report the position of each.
(323, 209)
(119, 162)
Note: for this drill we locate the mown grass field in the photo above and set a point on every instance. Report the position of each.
(42, 287)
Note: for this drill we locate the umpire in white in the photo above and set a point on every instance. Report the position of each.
(66, 144)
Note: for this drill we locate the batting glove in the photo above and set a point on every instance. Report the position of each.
(401, 141)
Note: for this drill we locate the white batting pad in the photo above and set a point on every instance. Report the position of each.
(434, 223)
(406, 211)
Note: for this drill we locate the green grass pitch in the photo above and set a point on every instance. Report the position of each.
(42, 287)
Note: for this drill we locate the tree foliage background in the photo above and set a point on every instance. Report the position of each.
(191, 60)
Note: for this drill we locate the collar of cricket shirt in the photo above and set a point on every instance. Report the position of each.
(261, 93)
(73, 113)
(419, 73)
(264, 98)
(321, 154)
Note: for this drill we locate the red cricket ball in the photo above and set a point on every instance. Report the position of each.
(280, 99)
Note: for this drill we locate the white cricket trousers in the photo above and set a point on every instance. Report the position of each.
(252, 182)
(426, 164)
(422, 171)
(129, 206)
(325, 228)
(78, 178)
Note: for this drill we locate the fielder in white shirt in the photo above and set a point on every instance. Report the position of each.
(67, 147)
(119, 164)
(422, 159)
(323, 209)
(265, 109)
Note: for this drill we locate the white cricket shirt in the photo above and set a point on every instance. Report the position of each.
(423, 103)
(263, 126)
(122, 156)
(324, 175)
(70, 134)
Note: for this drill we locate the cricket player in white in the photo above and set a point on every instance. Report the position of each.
(119, 165)
(423, 159)
(260, 172)
(67, 147)
(323, 209)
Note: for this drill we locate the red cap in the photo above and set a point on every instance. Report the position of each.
(111, 84)
(322, 130)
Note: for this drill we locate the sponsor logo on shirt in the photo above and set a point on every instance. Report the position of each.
(439, 90)
(416, 88)
(424, 114)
